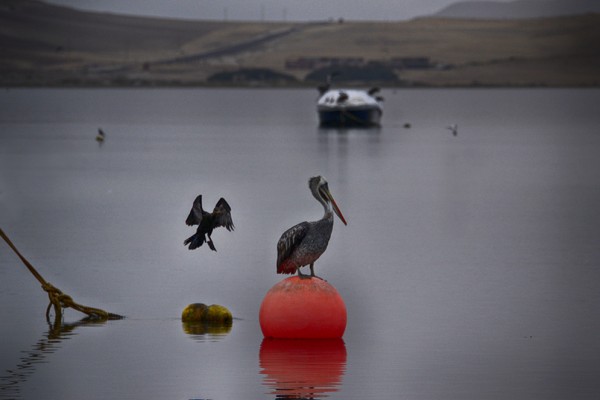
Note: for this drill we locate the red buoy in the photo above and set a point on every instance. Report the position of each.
(303, 309)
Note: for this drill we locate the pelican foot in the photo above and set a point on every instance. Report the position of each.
(302, 276)
(312, 273)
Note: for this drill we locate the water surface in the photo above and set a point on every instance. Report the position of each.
(469, 265)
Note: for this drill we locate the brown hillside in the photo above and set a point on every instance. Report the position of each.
(42, 44)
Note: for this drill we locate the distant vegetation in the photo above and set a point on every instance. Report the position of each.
(370, 73)
(250, 76)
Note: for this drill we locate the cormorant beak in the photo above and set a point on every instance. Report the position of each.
(335, 207)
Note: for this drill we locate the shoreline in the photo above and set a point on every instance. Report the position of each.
(203, 85)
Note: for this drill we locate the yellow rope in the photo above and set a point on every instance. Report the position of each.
(57, 298)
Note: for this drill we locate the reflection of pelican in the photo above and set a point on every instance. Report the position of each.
(304, 243)
(221, 216)
(100, 136)
(302, 368)
(453, 128)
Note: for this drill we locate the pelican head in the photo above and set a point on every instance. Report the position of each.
(320, 189)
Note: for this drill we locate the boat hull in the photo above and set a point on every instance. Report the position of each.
(368, 116)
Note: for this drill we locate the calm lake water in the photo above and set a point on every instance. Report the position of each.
(469, 267)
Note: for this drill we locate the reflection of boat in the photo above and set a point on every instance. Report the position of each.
(349, 107)
(302, 368)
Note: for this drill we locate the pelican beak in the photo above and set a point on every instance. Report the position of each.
(335, 207)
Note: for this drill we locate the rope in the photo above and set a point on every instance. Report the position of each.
(57, 298)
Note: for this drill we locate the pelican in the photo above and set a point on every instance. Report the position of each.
(100, 136)
(453, 128)
(304, 243)
(221, 216)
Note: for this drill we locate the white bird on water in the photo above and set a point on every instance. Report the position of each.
(453, 128)
(100, 136)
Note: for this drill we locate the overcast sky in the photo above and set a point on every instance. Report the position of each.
(275, 10)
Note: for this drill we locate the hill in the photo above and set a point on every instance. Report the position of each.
(518, 9)
(41, 44)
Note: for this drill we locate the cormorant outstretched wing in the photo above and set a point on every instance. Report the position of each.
(289, 241)
(222, 215)
(195, 215)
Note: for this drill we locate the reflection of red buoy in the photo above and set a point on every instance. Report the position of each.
(303, 309)
(302, 369)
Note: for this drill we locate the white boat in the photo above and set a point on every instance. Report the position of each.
(349, 107)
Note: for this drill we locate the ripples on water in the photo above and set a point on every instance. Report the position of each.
(40, 353)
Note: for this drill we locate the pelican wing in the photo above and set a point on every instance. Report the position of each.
(222, 215)
(289, 241)
(195, 215)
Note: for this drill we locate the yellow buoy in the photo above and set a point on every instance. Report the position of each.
(213, 314)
